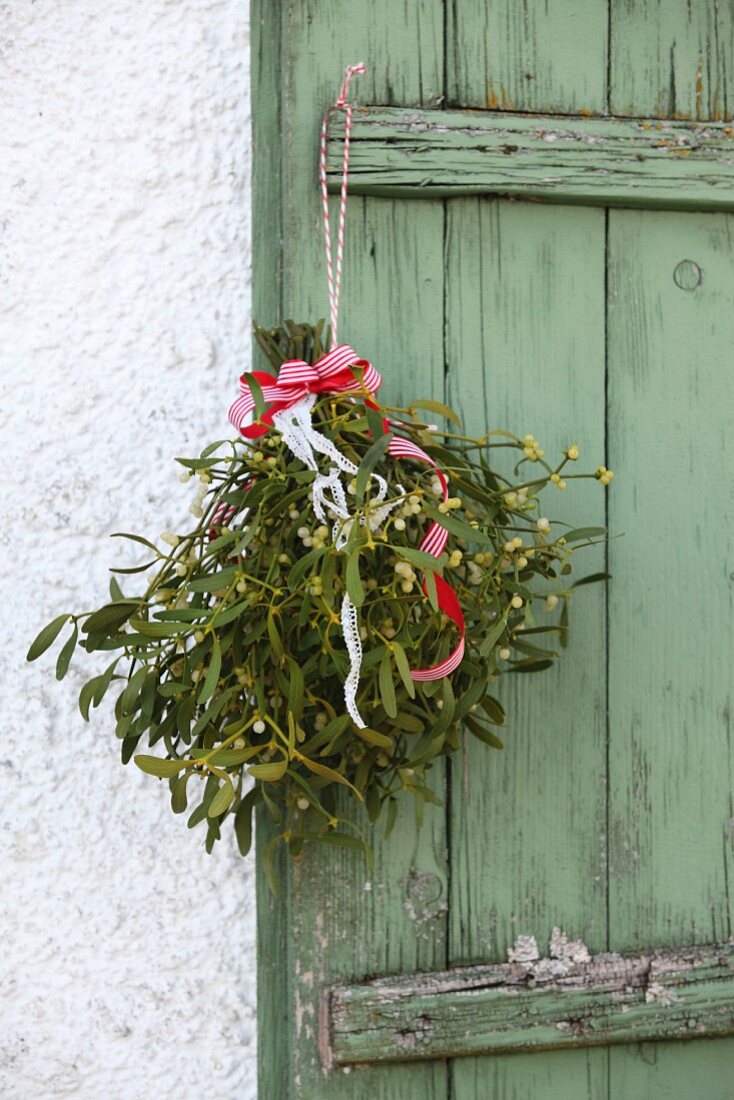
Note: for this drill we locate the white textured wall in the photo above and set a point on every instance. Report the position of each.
(128, 954)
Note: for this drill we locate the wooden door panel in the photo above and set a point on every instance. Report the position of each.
(671, 646)
(672, 58)
(332, 920)
(529, 56)
(525, 325)
(525, 339)
(569, 1075)
(608, 812)
(673, 1071)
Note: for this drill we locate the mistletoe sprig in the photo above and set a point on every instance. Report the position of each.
(229, 663)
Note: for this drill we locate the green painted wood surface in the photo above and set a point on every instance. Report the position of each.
(597, 162)
(608, 812)
(528, 55)
(551, 1004)
(672, 58)
(525, 324)
(670, 779)
(333, 921)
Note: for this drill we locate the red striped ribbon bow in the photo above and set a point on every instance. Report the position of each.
(334, 373)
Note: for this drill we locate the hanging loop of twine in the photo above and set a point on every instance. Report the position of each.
(334, 264)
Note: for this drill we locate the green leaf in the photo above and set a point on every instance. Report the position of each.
(274, 636)
(222, 800)
(564, 624)
(354, 582)
(403, 667)
(340, 840)
(135, 538)
(438, 408)
(373, 737)
(243, 823)
(301, 567)
(387, 687)
(67, 651)
(158, 629)
(116, 592)
(579, 533)
(212, 582)
(212, 673)
(257, 394)
(129, 697)
(328, 773)
(179, 800)
(85, 697)
(421, 559)
(269, 773)
(456, 526)
(368, 463)
(296, 689)
(483, 733)
(530, 666)
(101, 683)
(46, 637)
(429, 579)
(374, 421)
(110, 617)
(163, 769)
(411, 723)
(494, 710)
(229, 758)
(592, 579)
(493, 635)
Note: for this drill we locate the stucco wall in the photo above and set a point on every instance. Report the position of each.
(128, 953)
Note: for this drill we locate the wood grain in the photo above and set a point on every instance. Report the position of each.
(671, 398)
(599, 162)
(527, 56)
(333, 921)
(551, 1004)
(525, 348)
(672, 58)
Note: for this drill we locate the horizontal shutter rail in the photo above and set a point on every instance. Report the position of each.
(596, 161)
(550, 1004)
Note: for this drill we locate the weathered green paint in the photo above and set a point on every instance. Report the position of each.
(608, 812)
(527, 56)
(525, 324)
(333, 921)
(595, 162)
(549, 1004)
(672, 58)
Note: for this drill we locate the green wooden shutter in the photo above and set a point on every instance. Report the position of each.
(596, 309)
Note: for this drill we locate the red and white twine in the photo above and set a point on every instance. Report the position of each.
(334, 270)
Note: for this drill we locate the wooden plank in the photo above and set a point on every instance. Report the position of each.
(273, 1026)
(671, 333)
(333, 921)
(672, 1071)
(529, 56)
(525, 348)
(670, 369)
(524, 323)
(672, 58)
(583, 161)
(548, 1004)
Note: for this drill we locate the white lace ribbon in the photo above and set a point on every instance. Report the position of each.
(328, 495)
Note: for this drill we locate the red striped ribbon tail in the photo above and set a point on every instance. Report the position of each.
(434, 543)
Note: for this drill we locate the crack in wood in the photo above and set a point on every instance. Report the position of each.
(599, 161)
(565, 999)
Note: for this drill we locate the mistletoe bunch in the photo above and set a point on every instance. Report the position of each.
(229, 659)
